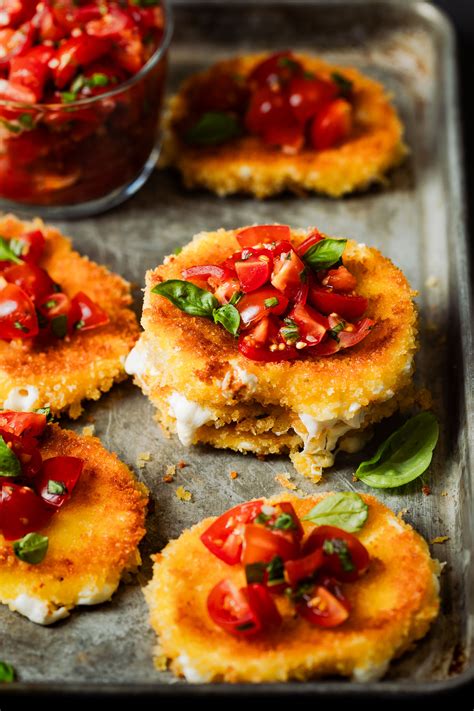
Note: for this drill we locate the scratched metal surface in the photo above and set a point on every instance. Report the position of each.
(415, 220)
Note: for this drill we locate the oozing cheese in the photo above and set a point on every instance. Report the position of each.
(22, 399)
(189, 417)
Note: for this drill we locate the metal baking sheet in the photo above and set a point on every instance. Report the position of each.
(417, 220)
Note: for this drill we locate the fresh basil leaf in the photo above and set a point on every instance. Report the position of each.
(255, 573)
(235, 298)
(58, 488)
(32, 548)
(343, 83)
(290, 332)
(178, 250)
(345, 510)
(404, 456)
(284, 522)
(6, 252)
(289, 63)
(7, 673)
(9, 463)
(229, 317)
(45, 411)
(59, 325)
(188, 297)
(272, 301)
(325, 254)
(27, 121)
(276, 571)
(213, 127)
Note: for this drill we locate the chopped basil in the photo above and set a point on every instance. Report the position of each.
(262, 517)
(68, 97)
(272, 301)
(17, 246)
(6, 252)
(276, 571)
(57, 487)
(309, 75)
(235, 298)
(145, 3)
(404, 456)
(45, 411)
(188, 297)
(336, 546)
(245, 626)
(20, 327)
(178, 250)
(95, 80)
(79, 324)
(332, 333)
(284, 522)
(289, 63)
(9, 463)
(10, 126)
(26, 121)
(59, 325)
(213, 128)
(7, 673)
(325, 254)
(346, 510)
(344, 84)
(290, 332)
(229, 317)
(306, 587)
(32, 548)
(255, 572)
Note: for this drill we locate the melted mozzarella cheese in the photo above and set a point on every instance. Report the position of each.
(95, 595)
(22, 399)
(371, 672)
(190, 673)
(322, 435)
(40, 611)
(189, 417)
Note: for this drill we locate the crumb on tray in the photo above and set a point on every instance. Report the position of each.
(233, 475)
(284, 480)
(440, 539)
(142, 459)
(183, 494)
(170, 473)
(88, 430)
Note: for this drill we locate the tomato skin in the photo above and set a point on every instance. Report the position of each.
(33, 280)
(284, 132)
(21, 511)
(272, 70)
(206, 271)
(287, 508)
(15, 43)
(253, 273)
(361, 329)
(307, 96)
(13, 12)
(77, 52)
(313, 326)
(9, 91)
(261, 545)
(331, 562)
(269, 116)
(303, 568)
(33, 244)
(252, 306)
(22, 423)
(31, 70)
(16, 307)
(222, 93)
(251, 236)
(66, 470)
(85, 314)
(229, 608)
(345, 305)
(263, 606)
(127, 51)
(332, 125)
(340, 279)
(110, 25)
(312, 239)
(332, 612)
(216, 537)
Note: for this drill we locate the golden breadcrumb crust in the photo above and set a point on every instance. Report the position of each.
(93, 539)
(247, 165)
(87, 364)
(194, 357)
(393, 605)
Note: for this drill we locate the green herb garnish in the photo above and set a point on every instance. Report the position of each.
(404, 456)
(346, 510)
(235, 298)
(336, 546)
(45, 411)
(57, 488)
(290, 332)
(188, 297)
(32, 548)
(6, 252)
(272, 301)
(9, 463)
(255, 573)
(59, 325)
(325, 254)
(7, 673)
(213, 128)
(229, 317)
(276, 571)
(284, 522)
(343, 83)
(20, 327)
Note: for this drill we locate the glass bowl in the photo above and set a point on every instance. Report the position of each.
(81, 158)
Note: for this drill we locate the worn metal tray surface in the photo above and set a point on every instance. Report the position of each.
(416, 220)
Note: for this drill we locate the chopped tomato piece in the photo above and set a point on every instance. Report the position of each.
(270, 110)
(327, 301)
(206, 271)
(34, 280)
(17, 314)
(307, 96)
(253, 273)
(128, 51)
(344, 556)
(332, 125)
(21, 511)
(22, 423)
(303, 568)
(77, 52)
(340, 279)
(263, 606)
(312, 325)
(284, 132)
(254, 306)
(230, 609)
(322, 608)
(32, 246)
(13, 43)
(86, 313)
(355, 333)
(221, 93)
(288, 273)
(31, 69)
(251, 236)
(279, 67)
(224, 536)
(64, 472)
(261, 545)
(9, 91)
(312, 239)
(25, 447)
(110, 25)
(258, 351)
(53, 305)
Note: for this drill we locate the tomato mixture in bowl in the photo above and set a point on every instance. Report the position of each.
(81, 87)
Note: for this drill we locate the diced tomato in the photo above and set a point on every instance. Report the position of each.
(286, 508)
(279, 67)
(349, 563)
(355, 333)
(253, 273)
(14, 43)
(34, 280)
(254, 306)
(128, 51)
(220, 93)
(332, 125)
(269, 109)
(89, 315)
(307, 96)
(327, 301)
(225, 290)
(312, 239)
(17, 314)
(251, 236)
(13, 12)
(327, 347)
(224, 536)
(32, 246)
(48, 26)
(259, 352)
(230, 609)
(77, 52)
(53, 305)
(263, 606)
(312, 325)
(63, 470)
(21, 511)
(288, 273)
(22, 423)
(31, 69)
(340, 279)
(303, 568)
(322, 608)
(261, 545)
(9, 91)
(110, 25)
(206, 271)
